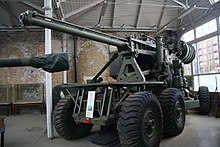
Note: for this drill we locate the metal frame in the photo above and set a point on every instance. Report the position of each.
(131, 78)
(110, 101)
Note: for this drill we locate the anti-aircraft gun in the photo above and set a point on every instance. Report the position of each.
(150, 95)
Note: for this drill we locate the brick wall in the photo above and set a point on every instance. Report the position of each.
(92, 56)
(21, 44)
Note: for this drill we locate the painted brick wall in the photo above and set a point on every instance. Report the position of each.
(92, 56)
(21, 44)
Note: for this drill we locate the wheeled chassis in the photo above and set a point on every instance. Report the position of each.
(112, 94)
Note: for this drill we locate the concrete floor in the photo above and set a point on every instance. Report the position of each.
(29, 130)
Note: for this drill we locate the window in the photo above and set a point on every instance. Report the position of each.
(215, 55)
(195, 61)
(215, 48)
(214, 41)
(209, 43)
(206, 28)
(207, 53)
(210, 50)
(200, 58)
(210, 81)
(188, 36)
(200, 52)
(213, 1)
(199, 46)
(207, 58)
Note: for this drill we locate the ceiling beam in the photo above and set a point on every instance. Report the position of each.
(138, 13)
(102, 13)
(181, 4)
(128, 29)
(199, 18)
(36, 7)
(162, 13)
(175, 18)
(113, 13)
(58, 9)
(204, 14)
(83, 8)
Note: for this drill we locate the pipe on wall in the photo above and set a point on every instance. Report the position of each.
(75, 59)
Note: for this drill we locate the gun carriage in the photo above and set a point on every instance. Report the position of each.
(150, 95)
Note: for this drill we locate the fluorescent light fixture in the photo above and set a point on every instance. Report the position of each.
(188, 11)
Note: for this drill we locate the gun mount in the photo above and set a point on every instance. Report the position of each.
(148, 52)
(150, 91)
(50, 62)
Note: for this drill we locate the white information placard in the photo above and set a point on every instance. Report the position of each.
(90, 104)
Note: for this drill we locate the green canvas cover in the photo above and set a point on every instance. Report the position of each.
(51, 62)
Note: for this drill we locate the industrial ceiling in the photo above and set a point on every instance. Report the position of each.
(115, 15)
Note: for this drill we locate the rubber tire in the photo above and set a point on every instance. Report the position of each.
(131, 120)
(65, 124)
(204, 100)
(168, 100)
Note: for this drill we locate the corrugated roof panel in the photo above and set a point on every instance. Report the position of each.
(149, 16)
(169, 14)
(148, 20)
(74, 5)
(126, 13)
(201, 4)
(196, 14)
(107, 18)
(91, 18)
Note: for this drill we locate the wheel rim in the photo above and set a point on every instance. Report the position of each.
(149, 124)
(179, 112)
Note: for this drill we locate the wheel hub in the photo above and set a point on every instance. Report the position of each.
(179, 112)
(149, 124)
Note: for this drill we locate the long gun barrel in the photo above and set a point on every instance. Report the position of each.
(140, 56)
(32, 18)
(50, 62)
